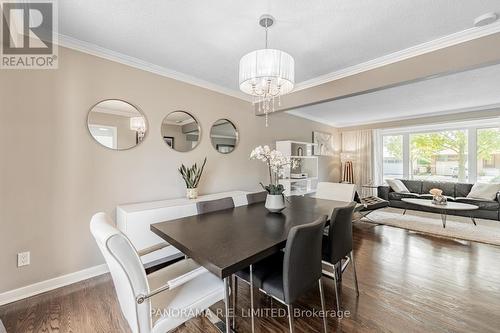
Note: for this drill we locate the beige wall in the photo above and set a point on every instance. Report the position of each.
(54, 176)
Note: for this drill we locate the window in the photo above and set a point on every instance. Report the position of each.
(465, 152)
(488, 155)
(105, 135)
(439, 156)
(393, 156)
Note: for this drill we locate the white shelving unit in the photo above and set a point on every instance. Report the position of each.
(307, 163)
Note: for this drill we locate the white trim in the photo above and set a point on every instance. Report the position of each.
(414, 51)
(51, 284)
(2, 328)
(447, 125)
(345, 126)
(101, 52)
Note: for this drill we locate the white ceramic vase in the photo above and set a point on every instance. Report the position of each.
(275, 203)
(192, 193)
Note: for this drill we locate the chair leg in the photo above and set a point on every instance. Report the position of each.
(252, 299)
(335, 285)
(290, 317)
(351, 255)
(322, 296)
(235, 298)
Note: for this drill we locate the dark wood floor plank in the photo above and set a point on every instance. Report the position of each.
(409, 282)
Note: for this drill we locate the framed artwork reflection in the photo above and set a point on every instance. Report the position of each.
(169, 140)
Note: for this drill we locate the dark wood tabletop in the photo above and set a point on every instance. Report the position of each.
(229, 240)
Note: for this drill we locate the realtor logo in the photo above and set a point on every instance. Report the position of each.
(28, 35)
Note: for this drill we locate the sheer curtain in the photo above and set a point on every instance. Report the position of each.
(359, 144)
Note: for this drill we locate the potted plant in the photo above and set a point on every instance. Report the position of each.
(192, 177)
(276, 163)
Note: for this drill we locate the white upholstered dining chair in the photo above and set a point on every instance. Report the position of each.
(335, 191)
(158, 302)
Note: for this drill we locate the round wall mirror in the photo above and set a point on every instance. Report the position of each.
(180, 131)
(116, 124)
(224, 136)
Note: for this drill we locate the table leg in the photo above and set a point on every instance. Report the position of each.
(252, 299)
(473, 220)
(443, 218)
(227, 287)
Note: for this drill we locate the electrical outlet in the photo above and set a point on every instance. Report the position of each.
(23, 259)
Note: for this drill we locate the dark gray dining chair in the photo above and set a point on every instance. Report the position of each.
(337, 246)
(287, 276)
(209, 206)
(256, 197)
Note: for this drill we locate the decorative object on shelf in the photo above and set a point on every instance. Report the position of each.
(300, 165)
(300, 151)
(224, 136)
(324, 144)
(301, 175)
(267, 74)
(181, 131)
(347, 171)
(192, 177)
(438, 198)
(117, 124)
(276, 163)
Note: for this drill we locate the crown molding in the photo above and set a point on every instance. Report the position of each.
(101, 52)
(444, 112)
(414, 51)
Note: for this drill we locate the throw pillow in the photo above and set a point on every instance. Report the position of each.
(484, 191)
(397, 186)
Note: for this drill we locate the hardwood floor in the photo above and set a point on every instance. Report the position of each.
(409, 282)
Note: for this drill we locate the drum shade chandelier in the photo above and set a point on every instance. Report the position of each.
(267, 74)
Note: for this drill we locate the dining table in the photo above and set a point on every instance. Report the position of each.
(230, 240)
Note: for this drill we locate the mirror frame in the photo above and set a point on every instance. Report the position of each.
(236, 131)
(199, 131)
(146, 134)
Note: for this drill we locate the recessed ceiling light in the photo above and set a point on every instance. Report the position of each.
(485, 19)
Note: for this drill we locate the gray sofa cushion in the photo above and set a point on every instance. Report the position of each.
(414, 186)
(448, 188)
(399, 196)
(482, 204)
(462, 190)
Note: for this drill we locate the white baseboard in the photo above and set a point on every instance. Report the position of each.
(51, 284)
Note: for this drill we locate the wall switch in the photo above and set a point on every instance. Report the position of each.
(23, 259)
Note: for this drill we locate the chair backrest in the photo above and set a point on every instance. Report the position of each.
(126, 271)
(335, 191)
(302, 261)
(340, 233)
(256, 197)
(204, 207)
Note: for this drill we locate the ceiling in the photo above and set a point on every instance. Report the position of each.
(206, 39)
(466, 91)
(117, 107)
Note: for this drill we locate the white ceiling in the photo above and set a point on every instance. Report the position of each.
(459, 92)
(117, 107)
(206, 39)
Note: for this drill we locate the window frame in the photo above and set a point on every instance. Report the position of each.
(471, 127)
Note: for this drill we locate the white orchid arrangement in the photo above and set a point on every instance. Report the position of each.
(276, 162)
